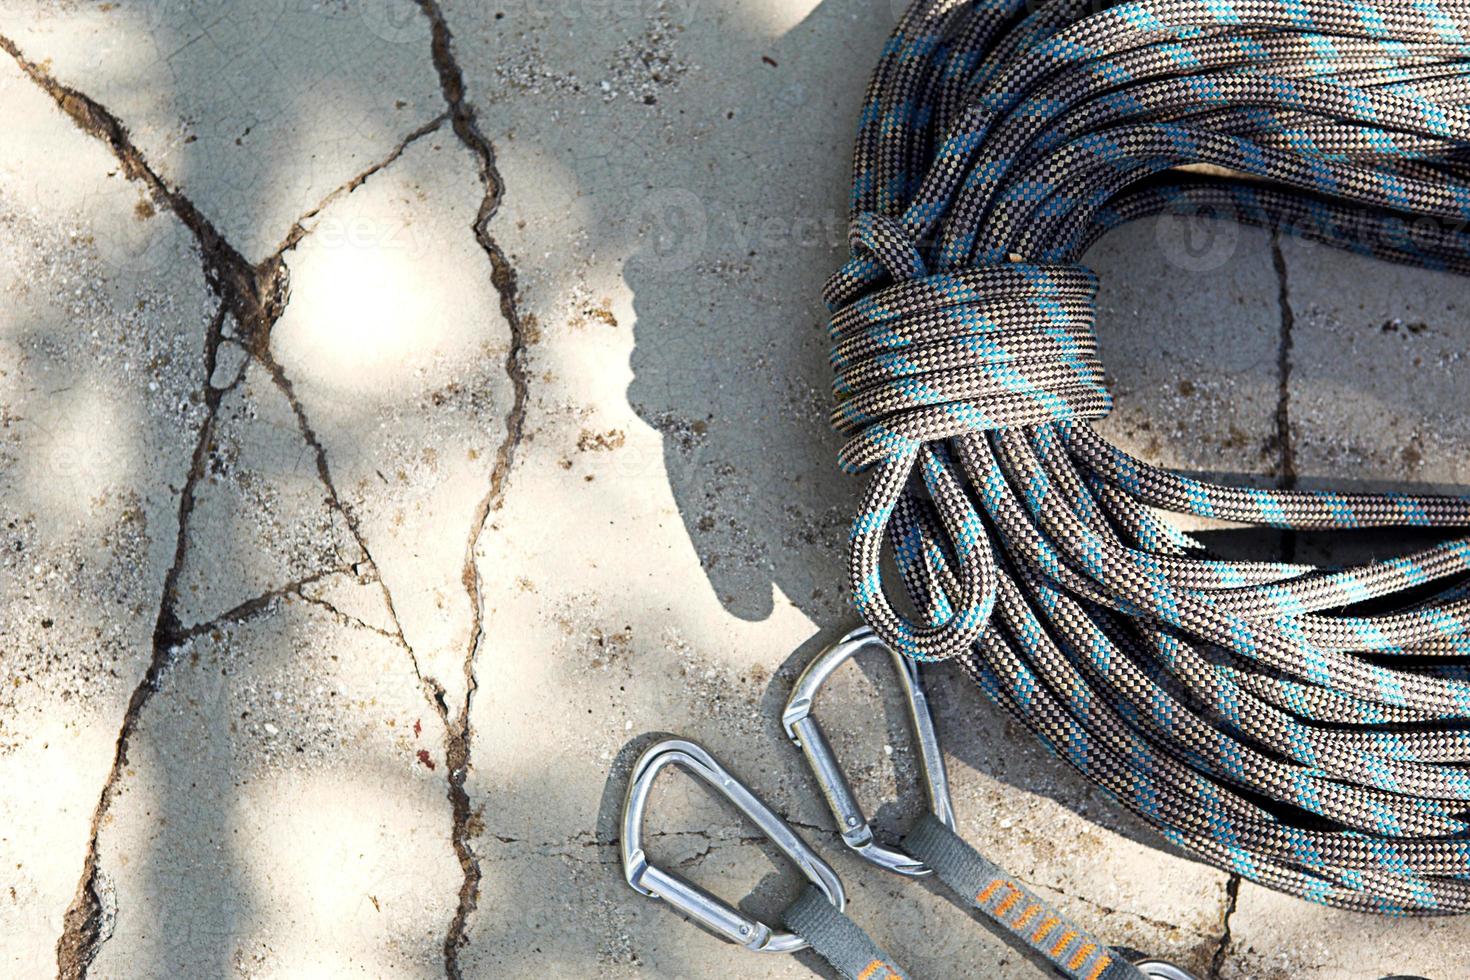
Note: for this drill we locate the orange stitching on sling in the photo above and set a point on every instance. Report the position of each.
(1009, 902)
(984, 896)
(1082, 955)
(1044, 928)
(1067, 937)
(1102, 965)
(871, 970)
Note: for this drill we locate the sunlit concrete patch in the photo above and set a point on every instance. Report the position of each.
(262, 518)
(1378, 378)
(283, 813)
(255, 111)
(100, 405)
(672, 225)
(395, 345)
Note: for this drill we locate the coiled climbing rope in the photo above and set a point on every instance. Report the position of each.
(1255, 712)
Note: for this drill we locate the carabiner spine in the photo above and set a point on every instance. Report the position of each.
(921, 722)
(852, 824)
(803, 729)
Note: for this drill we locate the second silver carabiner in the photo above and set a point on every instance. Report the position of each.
(802, 727)
(689, 898)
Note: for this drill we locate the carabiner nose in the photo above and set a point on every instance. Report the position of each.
(1159, 970)
(689, 898)
(804, 730)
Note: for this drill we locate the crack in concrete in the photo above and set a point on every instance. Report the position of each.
(434, 691)
(1232, 898)
(1107, 910)
(253, 293)
(255, 296)
(287, 389)
(82, 926)
(1287, 479)
(503, 277)
(1285, 445)
(240, 369)
(299, 230)
(584, 842)
(250, 608)
(347, 619)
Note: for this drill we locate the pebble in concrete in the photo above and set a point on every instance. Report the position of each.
(102, 325)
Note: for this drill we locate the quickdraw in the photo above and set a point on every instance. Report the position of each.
(817, 918)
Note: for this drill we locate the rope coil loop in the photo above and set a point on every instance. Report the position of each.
(1258, 713)
(935, 357)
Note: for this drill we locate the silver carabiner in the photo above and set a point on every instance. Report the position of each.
(1159, 970)
(804, 730)
(689, 898)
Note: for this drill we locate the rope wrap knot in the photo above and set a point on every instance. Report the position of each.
(945, 355)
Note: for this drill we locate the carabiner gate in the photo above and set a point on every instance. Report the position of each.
(802, 727)
(689, 898)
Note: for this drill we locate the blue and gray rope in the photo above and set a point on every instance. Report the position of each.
(1257, 713)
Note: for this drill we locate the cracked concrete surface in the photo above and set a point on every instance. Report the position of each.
(100, 388)
(277, 819)
(255, 113)
(260, 513)
(405, 405)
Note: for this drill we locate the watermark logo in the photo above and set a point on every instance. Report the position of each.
(395, 21)
(1197, 242)
(674, 228)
